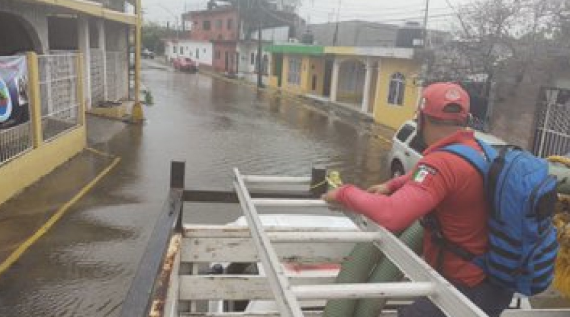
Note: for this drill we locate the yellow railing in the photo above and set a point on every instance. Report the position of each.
(54, 132)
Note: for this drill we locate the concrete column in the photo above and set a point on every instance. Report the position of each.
(85, 48)
(367, 83)
(102, 45)
(334, 81)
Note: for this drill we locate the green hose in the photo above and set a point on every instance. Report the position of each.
(355, 269)
(385, 271)
(367, 264)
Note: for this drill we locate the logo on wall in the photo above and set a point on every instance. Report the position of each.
(14, 101)
(5, 102)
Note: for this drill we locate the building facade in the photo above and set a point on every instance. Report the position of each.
(379, 82)
(58, 59)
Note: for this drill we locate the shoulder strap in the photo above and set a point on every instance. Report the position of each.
(474, 157)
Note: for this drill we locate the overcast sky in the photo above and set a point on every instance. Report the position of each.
(320, 11)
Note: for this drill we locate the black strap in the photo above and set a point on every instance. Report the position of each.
(431, 223)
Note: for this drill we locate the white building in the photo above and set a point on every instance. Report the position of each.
(199, 51)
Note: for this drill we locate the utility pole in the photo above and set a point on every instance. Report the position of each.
(426, 17)
(335, 37)
(259, 46)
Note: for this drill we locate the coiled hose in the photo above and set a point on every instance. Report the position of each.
(367, 264)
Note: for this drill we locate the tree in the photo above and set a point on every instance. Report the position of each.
(153, 36)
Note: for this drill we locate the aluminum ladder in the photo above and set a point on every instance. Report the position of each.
(424, 280)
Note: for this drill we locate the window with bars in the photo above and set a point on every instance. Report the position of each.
(294, 74)
(397, 89)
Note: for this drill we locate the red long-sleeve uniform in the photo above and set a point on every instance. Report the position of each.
(442, 183)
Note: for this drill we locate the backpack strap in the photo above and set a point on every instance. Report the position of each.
(481, 163)
(472, 156)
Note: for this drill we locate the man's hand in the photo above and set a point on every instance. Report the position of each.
(381, 189)
(330, 197)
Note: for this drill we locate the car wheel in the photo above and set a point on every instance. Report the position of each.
(397, 169)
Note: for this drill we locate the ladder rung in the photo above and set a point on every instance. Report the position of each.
(285, 180)
(289, 203)
(355, 291)
(324, 237)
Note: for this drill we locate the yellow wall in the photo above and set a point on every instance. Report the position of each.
(27, 169)
(305, 84)
(394, 116)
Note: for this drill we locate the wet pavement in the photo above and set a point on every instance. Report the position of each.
(85, 264)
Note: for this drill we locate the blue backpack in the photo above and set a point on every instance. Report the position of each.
(522, 239)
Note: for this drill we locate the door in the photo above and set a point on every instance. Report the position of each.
(278, 68)
(227, 61)
(328, 78)
(552, 127)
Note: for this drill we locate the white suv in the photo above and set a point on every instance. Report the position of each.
(407, 148)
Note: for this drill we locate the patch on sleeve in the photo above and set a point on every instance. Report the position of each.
(423, 174)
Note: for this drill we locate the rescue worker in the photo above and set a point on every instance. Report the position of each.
(444, 186)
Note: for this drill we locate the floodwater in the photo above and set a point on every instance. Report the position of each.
(85, 264)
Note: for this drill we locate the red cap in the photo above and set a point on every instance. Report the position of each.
(436, 97)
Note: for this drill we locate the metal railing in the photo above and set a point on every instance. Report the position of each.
(15, 141)
(59, 81)
(97, 68)
(117, 76)
(552, 135)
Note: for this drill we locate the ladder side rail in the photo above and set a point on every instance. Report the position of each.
(285, 299)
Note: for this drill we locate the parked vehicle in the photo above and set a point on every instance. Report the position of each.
(146, 53)
(407, 148)
(185, 64)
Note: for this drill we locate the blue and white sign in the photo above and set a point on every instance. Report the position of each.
(13, 91)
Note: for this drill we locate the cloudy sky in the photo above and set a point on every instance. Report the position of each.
(319, 11)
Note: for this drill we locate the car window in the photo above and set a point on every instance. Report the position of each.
(417, 144)
(405, 132)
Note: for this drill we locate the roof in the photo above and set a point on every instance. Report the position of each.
(387, 52)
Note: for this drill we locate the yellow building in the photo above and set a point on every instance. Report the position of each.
(376, 81)
(63, 57)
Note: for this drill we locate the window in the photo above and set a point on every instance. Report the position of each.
(206, 25)
(218, 55)
(405, 133)
(396, 89)
(294, 74)
(252, 58)
(197, 53)
(219, 24)
(174, 49)
(230, 24)
(417, 144)
(181, 50)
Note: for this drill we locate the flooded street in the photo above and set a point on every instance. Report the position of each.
(85, 264)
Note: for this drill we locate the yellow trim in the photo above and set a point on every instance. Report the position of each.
(340, 50)
(92, 8)
(137, 114)
(35, 99)
(28, 168)
(100, 153)
(54, 219)
(80, 92)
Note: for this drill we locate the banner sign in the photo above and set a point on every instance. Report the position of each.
(13, 91)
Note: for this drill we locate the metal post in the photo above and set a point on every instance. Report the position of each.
(137, 112)
(177, 176)
(426, 17)
(81, 104)
(35, 99)
(319, 184)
